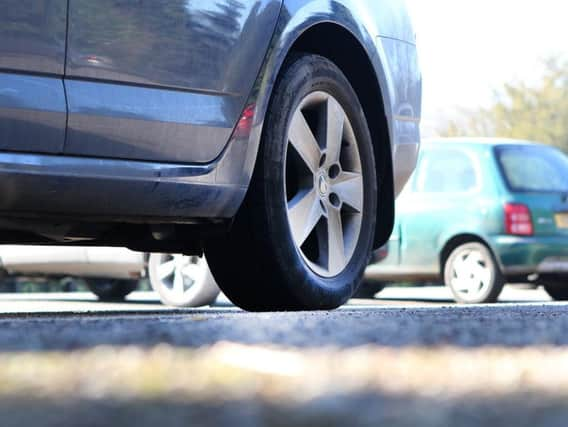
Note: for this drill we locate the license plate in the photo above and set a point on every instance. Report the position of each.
(561, 220)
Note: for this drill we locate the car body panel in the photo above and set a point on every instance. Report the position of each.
(32, 36)
(430, 221)
(208, 177)
(189, 67)
(33, 113)
(140, 123)
(523, 256)
(384, 30)
(543, 208)
(113, 189)
(111, 263)
(32, 57)
(402, 62)
(201, 45)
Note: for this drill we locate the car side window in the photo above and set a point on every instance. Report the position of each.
(446, 171)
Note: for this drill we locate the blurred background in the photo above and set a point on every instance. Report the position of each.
(494, 68)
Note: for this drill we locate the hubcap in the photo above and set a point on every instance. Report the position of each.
(471, 274)
(178, 273)
(324, 184)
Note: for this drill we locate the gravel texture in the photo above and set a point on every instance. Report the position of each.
(439, 366)
(500, 325)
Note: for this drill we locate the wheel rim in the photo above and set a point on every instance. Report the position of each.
(471, 274)
(177, 275)
(323, 184)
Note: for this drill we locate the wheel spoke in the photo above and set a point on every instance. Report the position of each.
(193, 271)
(464, 285)
(460, 267)
(166, 269)
(335, 121)
(303, 140)
(304, 213)
(475, 258)
(178, 285)
(336, 246)
(349, 187)
(460, 281)
(482, 274)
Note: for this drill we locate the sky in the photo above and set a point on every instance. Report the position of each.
(469, 48)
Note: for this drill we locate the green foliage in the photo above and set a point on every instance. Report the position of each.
(521, 111)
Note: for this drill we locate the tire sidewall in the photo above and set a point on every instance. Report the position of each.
(557, 289)
(111, 289)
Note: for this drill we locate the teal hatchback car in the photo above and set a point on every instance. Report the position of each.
(479, 213)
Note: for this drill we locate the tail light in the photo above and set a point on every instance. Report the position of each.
(518, 220)
(244, 126)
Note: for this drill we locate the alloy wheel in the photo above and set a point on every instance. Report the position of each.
(176, 274)
(324, 184)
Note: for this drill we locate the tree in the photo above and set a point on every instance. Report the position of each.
(521, 111)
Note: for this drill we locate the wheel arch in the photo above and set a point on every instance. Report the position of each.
(328, 34)
(329, 39)
(461, 239)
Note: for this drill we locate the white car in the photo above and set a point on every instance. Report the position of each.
(113, 273)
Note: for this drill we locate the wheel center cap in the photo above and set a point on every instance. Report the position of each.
(323, 186)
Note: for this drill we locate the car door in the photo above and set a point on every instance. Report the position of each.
(444, 197)
(32, 58)
(162, 80)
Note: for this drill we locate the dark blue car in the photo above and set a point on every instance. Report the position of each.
(274, 130)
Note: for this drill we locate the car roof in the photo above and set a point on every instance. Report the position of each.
(482, 141)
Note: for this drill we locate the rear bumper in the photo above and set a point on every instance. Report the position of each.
(523, 256)
(405, 158)
(97, 189)
(404, 88)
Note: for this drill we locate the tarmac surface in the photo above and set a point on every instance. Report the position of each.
(410, 357)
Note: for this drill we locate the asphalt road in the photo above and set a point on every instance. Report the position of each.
(148, 301)
(409, 358)
(399, 317)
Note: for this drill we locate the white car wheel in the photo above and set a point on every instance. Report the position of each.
(182, 281)
(472, 274)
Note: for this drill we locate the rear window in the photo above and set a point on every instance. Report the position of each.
(533, 168)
